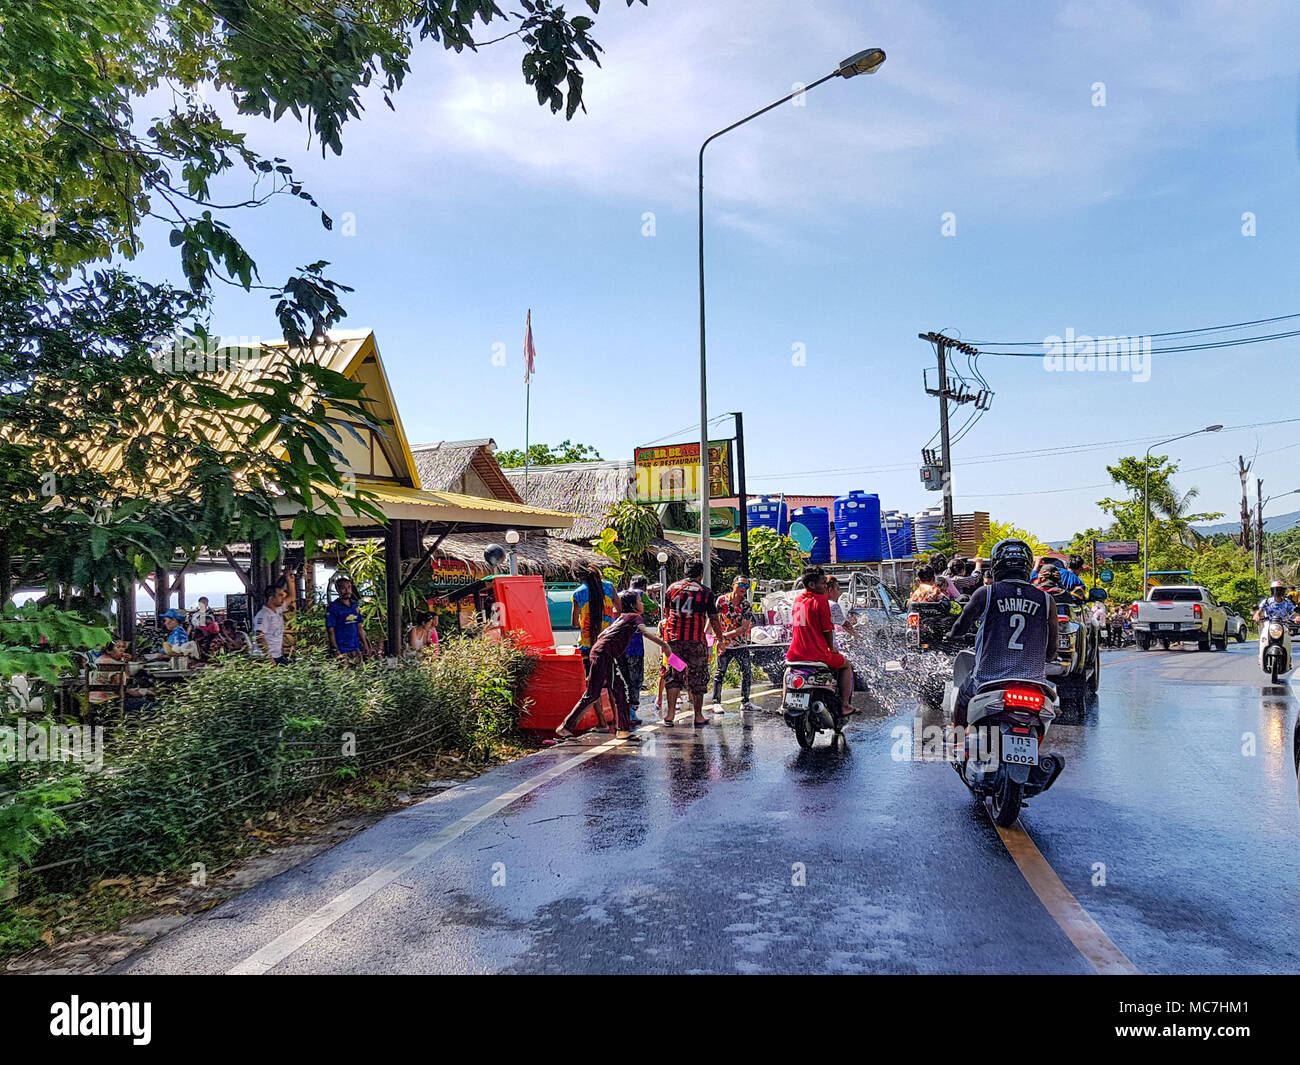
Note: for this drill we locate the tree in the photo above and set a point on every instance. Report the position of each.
(627, 537)
(543, 455)
(943, 543)
(1169, 512)
(773, 556)
(1004, 530)
(82, 169)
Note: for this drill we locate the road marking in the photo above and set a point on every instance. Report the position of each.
(274, 952)
(1096, 947)
(267, 957)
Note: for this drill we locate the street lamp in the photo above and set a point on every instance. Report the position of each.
(512, 541)
(1146, 484)
(663, 580)
(867, 61)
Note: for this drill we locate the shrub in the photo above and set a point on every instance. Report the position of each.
(245, 739)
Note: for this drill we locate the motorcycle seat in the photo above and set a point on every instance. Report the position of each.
(807, 665)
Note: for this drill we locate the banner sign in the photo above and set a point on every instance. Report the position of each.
(670, 473)
(1118, 550)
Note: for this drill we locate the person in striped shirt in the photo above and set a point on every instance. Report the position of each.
(689, 610)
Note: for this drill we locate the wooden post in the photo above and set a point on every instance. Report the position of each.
(393, 583)
(162, 596)
(126, 609)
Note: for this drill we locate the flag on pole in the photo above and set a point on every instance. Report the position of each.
(530, 352)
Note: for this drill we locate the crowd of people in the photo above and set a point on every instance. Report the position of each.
(692, 624)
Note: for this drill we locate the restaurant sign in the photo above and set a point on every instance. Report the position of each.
(670, 473)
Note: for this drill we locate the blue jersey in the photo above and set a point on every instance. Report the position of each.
(345, 620)
(1014, 637)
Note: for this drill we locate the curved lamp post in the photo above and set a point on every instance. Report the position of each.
(1146, 484)
(867, 61)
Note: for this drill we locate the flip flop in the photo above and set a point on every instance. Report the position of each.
(668, 724)
(701, 724)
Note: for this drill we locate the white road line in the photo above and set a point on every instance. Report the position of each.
(267, 957)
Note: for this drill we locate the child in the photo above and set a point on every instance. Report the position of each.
(603, 671)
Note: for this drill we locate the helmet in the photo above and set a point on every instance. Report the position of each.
(1012, 560)
(1276, 586)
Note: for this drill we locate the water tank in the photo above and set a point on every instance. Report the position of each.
(857, 527)
(895, 535)
(817, 520)
(770, 513)
(927, 525)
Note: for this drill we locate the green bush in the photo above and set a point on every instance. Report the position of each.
(245, 739)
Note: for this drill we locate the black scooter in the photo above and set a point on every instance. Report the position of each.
(810, 703)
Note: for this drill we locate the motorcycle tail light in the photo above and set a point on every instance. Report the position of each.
(1196, 609)
(1023, 698)
(796, 681)
(1062, 618)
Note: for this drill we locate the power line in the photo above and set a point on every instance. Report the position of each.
(1153, 336)
(1169, 350)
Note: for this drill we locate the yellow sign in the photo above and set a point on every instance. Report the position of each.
(671, 473)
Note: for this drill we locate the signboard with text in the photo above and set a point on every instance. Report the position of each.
(1118, 550)
(670, 473)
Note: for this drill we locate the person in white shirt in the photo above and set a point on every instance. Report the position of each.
(268, 626)
(838, 618)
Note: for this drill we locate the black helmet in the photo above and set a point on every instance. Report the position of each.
(1012, 560)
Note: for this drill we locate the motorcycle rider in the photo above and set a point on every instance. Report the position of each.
(1277, 607)
(1017, 636)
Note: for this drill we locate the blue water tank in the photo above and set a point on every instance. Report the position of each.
(857, 527)
(770, 513)
(817, 520)
(895, 535)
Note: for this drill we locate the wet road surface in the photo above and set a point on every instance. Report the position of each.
(1170, 844)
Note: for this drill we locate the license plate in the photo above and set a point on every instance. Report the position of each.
(796, 700)
(1019, 750)
(1164, 625)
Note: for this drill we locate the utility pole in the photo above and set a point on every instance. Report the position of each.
(1242, 469)
(1259, 524)
(744, 498)
(949, 390)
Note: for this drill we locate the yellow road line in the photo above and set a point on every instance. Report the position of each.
(1096, 947)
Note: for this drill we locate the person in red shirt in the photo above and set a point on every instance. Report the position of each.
(814, 632)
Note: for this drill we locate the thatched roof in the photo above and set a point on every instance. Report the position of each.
(584, 489)
(443, 466)
(537, 553)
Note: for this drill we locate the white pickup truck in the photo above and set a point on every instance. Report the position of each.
(1179, 613)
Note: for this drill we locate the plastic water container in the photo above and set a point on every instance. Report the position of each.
(927, 525)
(857, 527)
(817, 520)
(770, 513)
(895, 535)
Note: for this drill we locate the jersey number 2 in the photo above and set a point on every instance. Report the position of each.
(1017, 622)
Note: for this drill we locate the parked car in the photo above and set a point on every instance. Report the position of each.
(1237, 627)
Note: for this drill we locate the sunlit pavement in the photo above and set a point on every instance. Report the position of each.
(1175, 827)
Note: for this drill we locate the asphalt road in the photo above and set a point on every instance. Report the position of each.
(1171, 844)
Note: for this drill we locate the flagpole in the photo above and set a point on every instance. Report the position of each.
(528, 403)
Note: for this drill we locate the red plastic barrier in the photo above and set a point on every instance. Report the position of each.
(556, 684)
(524, 610)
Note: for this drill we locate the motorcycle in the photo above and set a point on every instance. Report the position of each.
(1274, 648)
(810, 702)
(1007, 721)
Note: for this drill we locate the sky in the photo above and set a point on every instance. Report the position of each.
(1012, 172)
